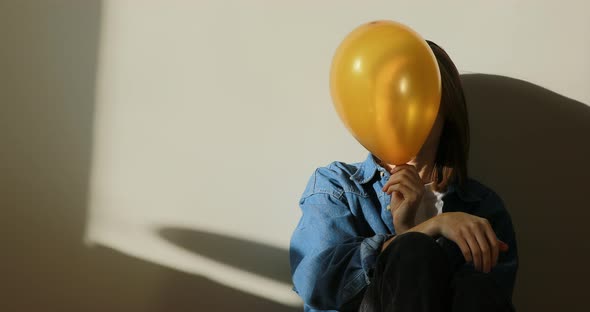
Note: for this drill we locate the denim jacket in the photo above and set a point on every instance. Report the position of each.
(345, 221)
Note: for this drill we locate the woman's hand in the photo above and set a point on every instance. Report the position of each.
(406, 189)
(474, 236)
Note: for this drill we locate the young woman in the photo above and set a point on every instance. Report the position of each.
(422, 236)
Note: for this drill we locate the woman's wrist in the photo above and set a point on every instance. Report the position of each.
(387, 242)
(435, 225)
(430, 227)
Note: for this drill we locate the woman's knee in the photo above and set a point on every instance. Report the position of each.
(417, 250)
(416, 242)
(412, 261)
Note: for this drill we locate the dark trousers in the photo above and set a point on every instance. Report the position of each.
(414, 274)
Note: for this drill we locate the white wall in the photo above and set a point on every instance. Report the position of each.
(211, 115)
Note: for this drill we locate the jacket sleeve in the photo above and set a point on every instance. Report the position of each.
(330, 262)
(505, 270)
(504, 273)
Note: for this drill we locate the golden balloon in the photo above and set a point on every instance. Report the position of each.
(385, 85)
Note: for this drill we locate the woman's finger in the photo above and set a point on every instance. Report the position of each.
(400, 180)
(401, 176)
(484, 247)
(464, 248)
(411, 170)
(406, 191)
(407, 195)
(397, 178)
(403, 166)
(475, 251)
(411, 193)
(494, 244)
(398, 167)
(503, 246)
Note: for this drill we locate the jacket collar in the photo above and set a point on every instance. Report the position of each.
(467, 193)
(368, 168)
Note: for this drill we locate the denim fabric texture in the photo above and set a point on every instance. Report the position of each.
(345, 221)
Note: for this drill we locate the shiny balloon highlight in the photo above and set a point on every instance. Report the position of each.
(385, 85)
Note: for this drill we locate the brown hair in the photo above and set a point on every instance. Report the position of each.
(450, 164)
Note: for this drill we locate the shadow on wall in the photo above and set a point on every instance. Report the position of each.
(532, 146)
(528, 143)
(257, 258)
(48, 61)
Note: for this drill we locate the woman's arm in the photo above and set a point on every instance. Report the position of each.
(430, 227)
(474, 236)
(486, 239)
(494, 210)
(330, 262)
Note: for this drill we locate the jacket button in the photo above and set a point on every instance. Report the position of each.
(388, 207)
(382, 173)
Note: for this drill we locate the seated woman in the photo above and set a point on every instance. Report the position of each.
(422, 236)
